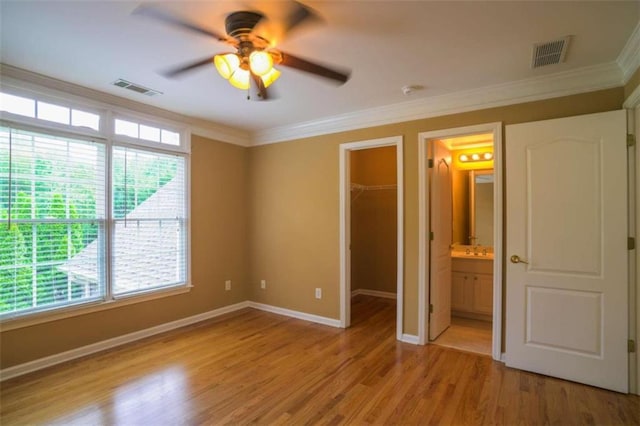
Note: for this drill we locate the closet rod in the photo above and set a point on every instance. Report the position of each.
(359, 187)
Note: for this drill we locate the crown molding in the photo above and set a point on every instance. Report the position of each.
(35, 82)
(629, 58)
(565, 83)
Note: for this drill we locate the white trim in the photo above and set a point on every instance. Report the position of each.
(629, 57)
(633, 100)
(29, 319)
(52, 360)
(374, 293)
(423, 220)
(38, 83)
(632, 261)
(345, 215)
(295, 314)
(423, 247)
(587, 79)
(410, 338)
(498, 218)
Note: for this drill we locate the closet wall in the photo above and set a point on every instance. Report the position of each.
(374, 219)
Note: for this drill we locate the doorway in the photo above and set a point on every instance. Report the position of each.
(348, 194)
(460, 222)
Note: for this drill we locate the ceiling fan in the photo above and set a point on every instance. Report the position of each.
(251, 66)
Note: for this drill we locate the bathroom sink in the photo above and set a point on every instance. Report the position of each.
(471, 255)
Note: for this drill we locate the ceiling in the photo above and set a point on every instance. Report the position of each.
(447, 47)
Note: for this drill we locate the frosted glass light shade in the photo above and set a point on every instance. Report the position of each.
(270, 77)
(227, 64)
(240, 79)
(261, 62)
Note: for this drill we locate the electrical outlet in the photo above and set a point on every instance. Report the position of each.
(263, 284)
(227, 285)
(318, 293)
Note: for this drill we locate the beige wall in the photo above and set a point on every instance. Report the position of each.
(218, 252)
(374, 220)
(294, 214)
(271, 212)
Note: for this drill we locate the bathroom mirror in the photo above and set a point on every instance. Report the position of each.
(481, 207)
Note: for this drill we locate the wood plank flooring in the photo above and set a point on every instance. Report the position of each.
(467, 335)
(262, 368)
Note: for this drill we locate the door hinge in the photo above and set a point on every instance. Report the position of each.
(430, 308)
(631, 346)
(430, 163)
(631, 243)
(631, 140)
(430, 235)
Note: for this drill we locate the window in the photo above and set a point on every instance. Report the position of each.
(46, 111)
(149, 220)
(86, 219)
(146, 133)
(51, 209)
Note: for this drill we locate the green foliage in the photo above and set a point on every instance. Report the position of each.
(15, 282)
(40, 190)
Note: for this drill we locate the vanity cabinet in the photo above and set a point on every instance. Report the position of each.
(472, 288)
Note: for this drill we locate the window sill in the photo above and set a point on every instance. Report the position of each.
(83, 309)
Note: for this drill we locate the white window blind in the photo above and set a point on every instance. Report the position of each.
(149, 214)
(89, 213)
(52, 221)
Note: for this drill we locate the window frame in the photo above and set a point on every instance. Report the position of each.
(108, 113)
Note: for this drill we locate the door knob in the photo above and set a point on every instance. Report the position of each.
(516, 259)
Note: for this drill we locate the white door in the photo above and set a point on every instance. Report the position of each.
(566, 221)
(441, 217)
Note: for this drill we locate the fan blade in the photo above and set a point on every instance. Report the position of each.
(284, 20)
(340, 76)
(257, 86)
(151, 12)
(177, 71)
(299, 14)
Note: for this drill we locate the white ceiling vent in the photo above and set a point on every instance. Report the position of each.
(135, 87)
(549, 52)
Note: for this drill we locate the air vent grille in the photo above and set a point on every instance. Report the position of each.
(135, 87)
(549, 52)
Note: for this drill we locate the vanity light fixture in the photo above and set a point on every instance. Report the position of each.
(478, 156)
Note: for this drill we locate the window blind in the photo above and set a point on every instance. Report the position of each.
(52, 221)
(149, 214)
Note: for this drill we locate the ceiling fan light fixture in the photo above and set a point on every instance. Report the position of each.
(270, 77)
(261, 62)
(227, 64)
(240, 79)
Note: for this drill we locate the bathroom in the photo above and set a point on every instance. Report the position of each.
(471, 249)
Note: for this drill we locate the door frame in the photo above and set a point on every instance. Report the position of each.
(345, 227)
(632, 105)
(424, 138)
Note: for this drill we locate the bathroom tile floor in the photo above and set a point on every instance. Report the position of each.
(467, 335)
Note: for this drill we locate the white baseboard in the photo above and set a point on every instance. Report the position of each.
(52, 360)
(49, 361)
(410, 338)
(296, 314)
(374, 293)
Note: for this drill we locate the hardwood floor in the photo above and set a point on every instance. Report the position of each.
(467, 335)
(258, 367)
